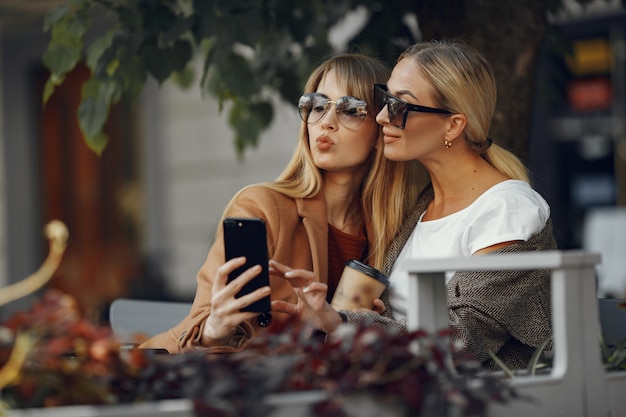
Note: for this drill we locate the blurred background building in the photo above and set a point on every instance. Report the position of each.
(578, 145)
(142, 216)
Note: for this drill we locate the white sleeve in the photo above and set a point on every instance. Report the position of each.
(506, 216)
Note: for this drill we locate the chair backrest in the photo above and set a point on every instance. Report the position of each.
(576, 385)
(613, 320)
(131, 319)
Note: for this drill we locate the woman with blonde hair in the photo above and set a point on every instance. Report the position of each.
(338, 198)
(436, 109)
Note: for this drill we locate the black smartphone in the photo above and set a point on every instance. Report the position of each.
(247, 237)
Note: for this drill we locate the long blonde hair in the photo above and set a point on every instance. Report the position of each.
(463, 82)
(389, 189)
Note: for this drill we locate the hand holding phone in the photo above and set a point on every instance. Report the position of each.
(247, 237)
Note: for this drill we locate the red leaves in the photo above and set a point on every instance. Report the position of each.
(77, 362)
(72, 360)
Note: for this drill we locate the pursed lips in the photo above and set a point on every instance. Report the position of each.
(324, 143)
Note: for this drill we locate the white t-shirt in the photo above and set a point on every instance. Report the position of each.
(510, 210)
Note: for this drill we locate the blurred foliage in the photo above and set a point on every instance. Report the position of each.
(255, 50)
(250, 50)
(70, 360)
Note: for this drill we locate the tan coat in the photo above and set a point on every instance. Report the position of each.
(297, 236)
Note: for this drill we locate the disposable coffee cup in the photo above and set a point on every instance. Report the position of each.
(359, 286)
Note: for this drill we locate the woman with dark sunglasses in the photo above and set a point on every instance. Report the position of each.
(438, 107)
(339, 198)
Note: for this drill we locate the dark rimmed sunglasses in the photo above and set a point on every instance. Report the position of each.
(351, 111)
(397, 108)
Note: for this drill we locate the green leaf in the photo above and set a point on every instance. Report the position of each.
(248, 121)
(132, 76)
(208, 61)
(112, 67)
(93, 110)
(97, 142)
(92, 114)
(48, 90)
(60, 59)
(162, 62)
(180, 54)
(65, 48)
(156, 62)
(264, 111)
(246, 29)
(179, 28)
(114, 59)
(238, 6)
(97, 48)
(507, 371)
(129, 16)
(95, 88)
(157, 17)
(91, 88)
(185, 78)
(55, 15)
(76, 26)
(204, 23)
(237, 76)
(51, 83)
(533, 364)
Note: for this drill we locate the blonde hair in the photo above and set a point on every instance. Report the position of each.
(463, 82)
(389, 189)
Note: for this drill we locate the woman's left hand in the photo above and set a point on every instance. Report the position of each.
(312, 307)
(378, 307)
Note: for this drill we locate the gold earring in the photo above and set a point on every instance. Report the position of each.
(447, 143)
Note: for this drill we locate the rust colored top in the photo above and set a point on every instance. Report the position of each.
(341, 248)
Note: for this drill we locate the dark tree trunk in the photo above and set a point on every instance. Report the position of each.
(510, 34)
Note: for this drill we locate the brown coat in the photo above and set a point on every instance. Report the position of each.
(297, 236)
(507, 312)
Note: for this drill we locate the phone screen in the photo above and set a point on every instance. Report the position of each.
(247, 237)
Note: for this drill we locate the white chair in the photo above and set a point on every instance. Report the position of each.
(130, 318)
(578, 385)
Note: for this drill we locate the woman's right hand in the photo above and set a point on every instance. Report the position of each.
(226, 314)
(311, 307)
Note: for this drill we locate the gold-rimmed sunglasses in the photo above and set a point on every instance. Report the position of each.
(351, 111)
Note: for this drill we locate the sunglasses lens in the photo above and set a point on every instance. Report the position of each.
(395, 107)
(312, 107)
(319, 107)
(304, 107)
(380, 97)
(351, 111)
(396, 110)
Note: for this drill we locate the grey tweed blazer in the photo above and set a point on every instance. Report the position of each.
(506, 312)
